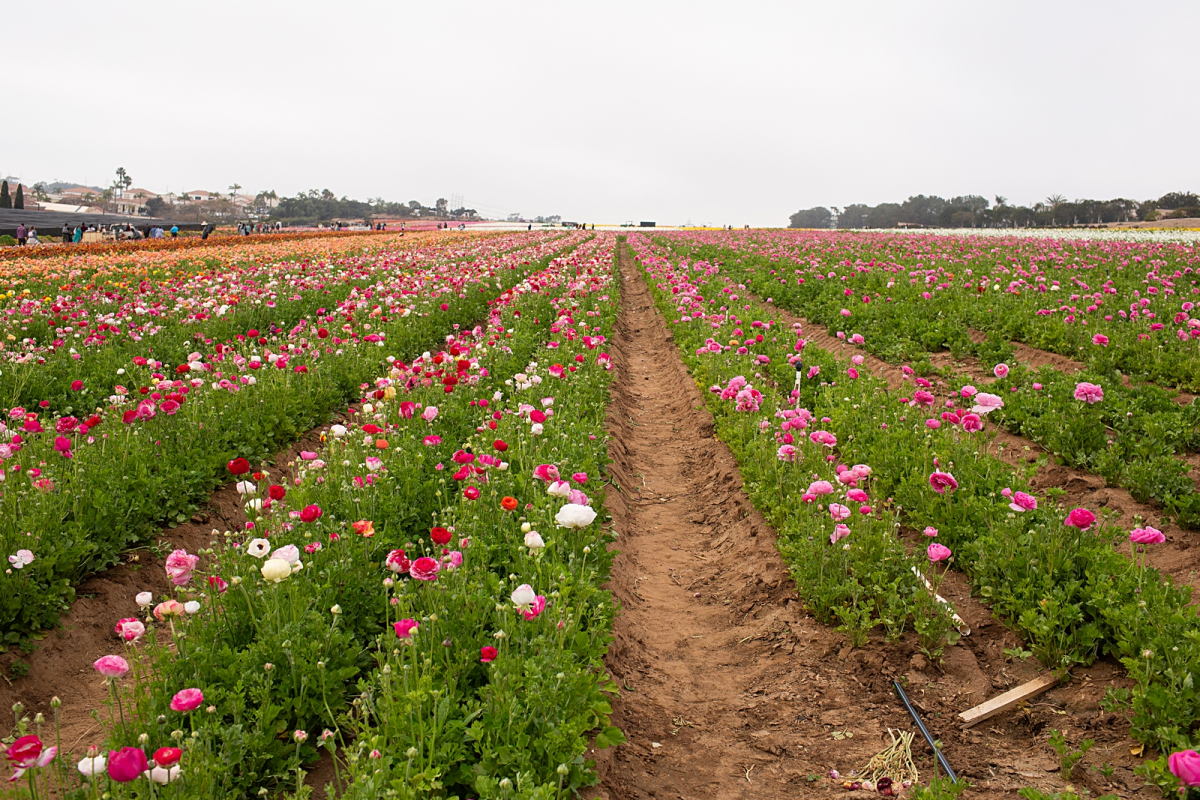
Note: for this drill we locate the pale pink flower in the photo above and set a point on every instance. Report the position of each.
(986, 403)
(838, 511)
(937, 552)
(1147, 535)
(180, 565)
(111, 667)
(1022, 502)
(839, 532)
(1089, 393)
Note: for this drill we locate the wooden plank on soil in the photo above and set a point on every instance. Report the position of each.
(1005, 701)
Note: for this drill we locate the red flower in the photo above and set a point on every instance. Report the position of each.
(500, 445)
(509, 504)
(277, 492)
(310, 513)
(322, 333)
(76, 386)
(239, 466)
(93, 421)
(488, 654)
(440, 535)
(167, 756)
(471, 493)
(372, 428)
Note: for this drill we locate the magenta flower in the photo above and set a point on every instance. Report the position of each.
(111, 667)
(1000, 371)
(405, 629)
(535, 608)
(186, 700)
(130, 629)
(943, 482)
(1080, 518)
(1185, 765)
(432, 440)
(1100, 339)
(971, 423)
(786, 453)
(1089, 393)
(127, 764)
(937, 552)
(1022, 502)
(1147, 535)
(488, 654)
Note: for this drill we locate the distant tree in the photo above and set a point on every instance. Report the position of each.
(1175, 200)
(818, 217)
(442, 206)
(123, 180)
(854, 216)
(233, 189)
(5, 200)
(155, 206)
(19, 200)
(39, 191)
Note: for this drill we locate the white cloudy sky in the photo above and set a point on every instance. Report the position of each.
(674, 111)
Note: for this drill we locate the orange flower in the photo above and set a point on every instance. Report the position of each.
(381, 444)
(364, 527)
(509, 504)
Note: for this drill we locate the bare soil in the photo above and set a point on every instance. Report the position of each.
(730, 689)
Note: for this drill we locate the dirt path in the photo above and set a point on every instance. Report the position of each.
(729, 688)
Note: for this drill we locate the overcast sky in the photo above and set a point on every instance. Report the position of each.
(718, 113)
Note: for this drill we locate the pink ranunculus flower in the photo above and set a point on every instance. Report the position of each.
(425, 569)
(535, 608)
(405, 629)
(1100, 339)
(432, 440)
(838, 511)
(820, 488)
(971, 423)
(1185, 765)
(180, 565)
(968, 391)
(1089, 393)
(111, 667)
(1022, 502)
(943, 482)
(786, 453)
(930, 531)
(1000, 371)
(1147, 535)
(186, 700)
(430, 413)
(839, 532)
(1080, 518)
(937, 552)
(130, 629)
(986, 403)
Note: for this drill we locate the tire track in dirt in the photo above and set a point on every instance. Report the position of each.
(1179, 557)
(729, 689)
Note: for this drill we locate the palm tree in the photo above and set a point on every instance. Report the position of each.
(233, 188)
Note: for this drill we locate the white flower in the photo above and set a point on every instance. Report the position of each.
(338, 431)
(163, 775)
(289, 553)
(547, 402)
(22, 558)
(144, 599)
(368, 408)
(524, 596)
(246, 487)
(533, 540)
(258, 548)
(254, 504)
(573, 516)
(92, 766)
(275, 569)
(536, 429)
(559, 489)
(503, 466)
(191, 606)
(526, 527)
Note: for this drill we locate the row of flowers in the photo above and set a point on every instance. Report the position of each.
(420, 597)
(1134, 435)
(1052, 572)
(77, 491)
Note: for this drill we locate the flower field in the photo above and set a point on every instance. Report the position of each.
(426, 598)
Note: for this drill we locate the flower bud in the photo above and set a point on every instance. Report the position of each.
(563, 770)
(336, 610)
(55, 702)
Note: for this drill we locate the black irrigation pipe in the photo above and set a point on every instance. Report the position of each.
(924, 731)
